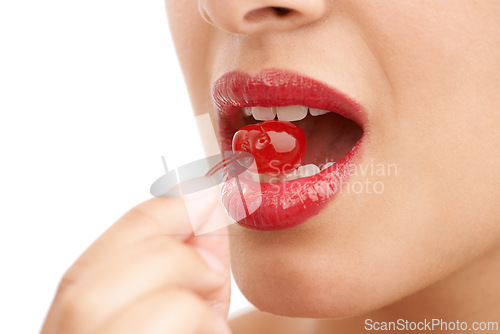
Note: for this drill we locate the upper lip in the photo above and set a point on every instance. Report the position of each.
(275, 88)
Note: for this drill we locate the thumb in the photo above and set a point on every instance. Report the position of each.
(209, 221)
(208, 215)
(214, 249)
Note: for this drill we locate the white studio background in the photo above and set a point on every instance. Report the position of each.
(91, 97)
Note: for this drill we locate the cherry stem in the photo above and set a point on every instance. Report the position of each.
(223, 164)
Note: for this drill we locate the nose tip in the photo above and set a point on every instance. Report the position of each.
(248, 17)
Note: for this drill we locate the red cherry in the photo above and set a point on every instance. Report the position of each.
(277, 147)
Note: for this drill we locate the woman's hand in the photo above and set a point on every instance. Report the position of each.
(147, 274)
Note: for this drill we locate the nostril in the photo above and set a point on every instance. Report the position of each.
(267, 13)
(281, 11)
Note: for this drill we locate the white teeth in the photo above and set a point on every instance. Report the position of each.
(308, 170)
(292, 176)
(317, 112)
(325, 166)
(291, 113)
(265, 178)
(263, 113)
(252, 176)
(288, 113)
(302, 171)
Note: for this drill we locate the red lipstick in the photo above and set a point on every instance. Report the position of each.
(285, 204)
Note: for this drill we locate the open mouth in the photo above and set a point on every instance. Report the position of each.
(333, 126)
(329, 137)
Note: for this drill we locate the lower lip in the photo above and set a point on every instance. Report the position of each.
(277, 206)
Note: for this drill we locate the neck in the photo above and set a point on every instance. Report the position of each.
(471, 294)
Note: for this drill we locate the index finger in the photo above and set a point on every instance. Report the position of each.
(154, 217)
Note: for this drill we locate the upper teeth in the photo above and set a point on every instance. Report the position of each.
(317, 112)
(288, 113)
(263, 114)
(291, 113)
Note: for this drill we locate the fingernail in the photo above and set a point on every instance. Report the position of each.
(211, 260)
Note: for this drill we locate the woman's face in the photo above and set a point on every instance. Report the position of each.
(427, 74)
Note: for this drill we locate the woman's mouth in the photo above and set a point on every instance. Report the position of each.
(334, 128)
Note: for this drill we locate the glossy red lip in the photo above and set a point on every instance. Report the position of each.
(282, 205)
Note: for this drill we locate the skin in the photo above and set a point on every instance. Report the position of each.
(146, 274)
(427, 72)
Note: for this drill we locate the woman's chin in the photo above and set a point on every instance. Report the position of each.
(291, 291)
(300, 281)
